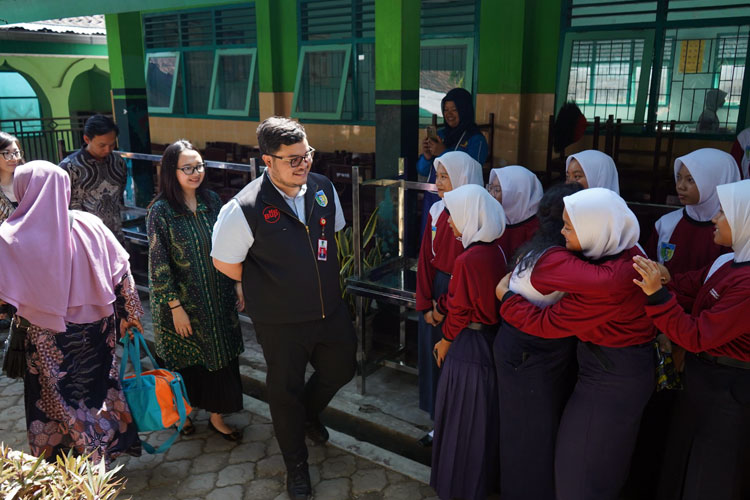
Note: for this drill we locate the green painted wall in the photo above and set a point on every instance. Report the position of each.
(125, 49)
(17, 11)
(27, 47)
(52, 77)
(501, 39)
(90, 92)
(540, 48)
(277, 44)
(397, 44)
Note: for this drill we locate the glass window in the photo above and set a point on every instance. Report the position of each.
(444, 65)
(232, 81)
(198, 70)
(321, 80)
(161, 72)
(705, 78)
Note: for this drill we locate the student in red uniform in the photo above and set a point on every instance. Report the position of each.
(464, 454)
(616, 362)
(436, 257)
(519, 191)
(708, 450)
(592, 168)
(682, 240)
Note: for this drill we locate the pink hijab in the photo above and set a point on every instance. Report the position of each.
(55, 268)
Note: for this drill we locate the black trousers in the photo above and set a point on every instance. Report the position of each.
(708, 449)
(329, 345)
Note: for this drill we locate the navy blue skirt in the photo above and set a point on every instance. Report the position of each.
(427, 337)
(535, 377)
(465, 445)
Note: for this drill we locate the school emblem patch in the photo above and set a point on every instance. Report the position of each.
(321, 198)
(666, 251)
(271, 214)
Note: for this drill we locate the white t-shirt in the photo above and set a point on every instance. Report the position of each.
(232, 236)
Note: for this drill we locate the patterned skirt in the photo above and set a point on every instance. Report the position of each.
(73, 395)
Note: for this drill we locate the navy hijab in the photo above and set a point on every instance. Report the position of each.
(466, 127)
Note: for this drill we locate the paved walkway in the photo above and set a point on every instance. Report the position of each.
(205, 466)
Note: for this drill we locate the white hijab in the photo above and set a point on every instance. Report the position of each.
(709, 167)
(599, 168)
(735, 200)
(603, 222)
(475, 213)
(521, 192)
(462, 169)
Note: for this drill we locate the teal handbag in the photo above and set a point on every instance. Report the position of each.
(157, 398)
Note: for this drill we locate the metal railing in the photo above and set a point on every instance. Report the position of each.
(47, 138)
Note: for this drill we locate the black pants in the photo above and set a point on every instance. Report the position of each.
(329, 345)
(708, 449)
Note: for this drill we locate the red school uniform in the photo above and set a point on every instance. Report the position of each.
(516, 235)
(604, 308)
(687, 244)
(719, 308)
(471, 293)
(438, 253)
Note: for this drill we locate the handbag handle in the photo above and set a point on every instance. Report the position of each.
(132, 351)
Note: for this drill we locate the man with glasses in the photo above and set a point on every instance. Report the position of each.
(97, 175)
(277, 237)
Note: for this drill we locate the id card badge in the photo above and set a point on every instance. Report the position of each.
(322, 249)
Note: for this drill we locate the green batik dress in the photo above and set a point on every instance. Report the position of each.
(180, 268)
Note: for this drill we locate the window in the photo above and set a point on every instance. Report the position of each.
(448, 37)
(233, 78)
(161, 79)
(18, 101)
(336, 67)
(604, 76)
(209, 67)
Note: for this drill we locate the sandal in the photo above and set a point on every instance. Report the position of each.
(235, 435)
(188, 428)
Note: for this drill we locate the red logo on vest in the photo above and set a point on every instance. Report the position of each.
(271, 214)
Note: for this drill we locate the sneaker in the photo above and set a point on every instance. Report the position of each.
(298, 482)
(316, 432)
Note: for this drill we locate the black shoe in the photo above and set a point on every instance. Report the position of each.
(425, 440)
(316, 432)
(235, 435)
(298, 482)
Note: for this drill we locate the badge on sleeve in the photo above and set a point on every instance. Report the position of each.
(321, 198)
(666, 251)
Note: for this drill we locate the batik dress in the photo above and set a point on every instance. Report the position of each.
(72, 390)
(181, 268)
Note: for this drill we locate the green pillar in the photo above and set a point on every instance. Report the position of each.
(127, 70)
(396, 85)
(277, 55)
(501, 64)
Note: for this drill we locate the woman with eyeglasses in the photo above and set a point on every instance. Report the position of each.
(10, 157)
(193, 306)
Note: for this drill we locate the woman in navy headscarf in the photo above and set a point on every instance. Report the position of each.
(459, 133)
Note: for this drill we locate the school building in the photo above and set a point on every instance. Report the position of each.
(365, 76)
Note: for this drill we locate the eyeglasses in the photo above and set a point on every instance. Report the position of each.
(296, 161)
(9, 155)
(191, 169)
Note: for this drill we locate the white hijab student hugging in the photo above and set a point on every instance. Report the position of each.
(592, 168)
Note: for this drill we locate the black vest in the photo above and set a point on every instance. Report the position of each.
(282, 279)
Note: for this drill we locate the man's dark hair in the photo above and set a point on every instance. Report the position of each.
(169, 187)
(99, 125)
(278, 131)
(549, 213)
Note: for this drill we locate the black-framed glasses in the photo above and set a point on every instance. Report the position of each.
(296, 161)
(9, 155)
(191, 169)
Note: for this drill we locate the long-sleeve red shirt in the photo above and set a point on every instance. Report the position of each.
(719, 310)
(471, 293)
(602, 304)
(516, 235)
(694, 246)
(438, 253)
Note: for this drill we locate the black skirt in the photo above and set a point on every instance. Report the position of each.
(219, 391)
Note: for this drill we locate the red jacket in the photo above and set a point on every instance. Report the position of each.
(516, 235)
(438, 253)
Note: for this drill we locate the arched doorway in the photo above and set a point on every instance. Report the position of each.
(89, 93)
(18, 102)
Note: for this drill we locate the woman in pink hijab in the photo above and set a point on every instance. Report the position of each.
(70, 279)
